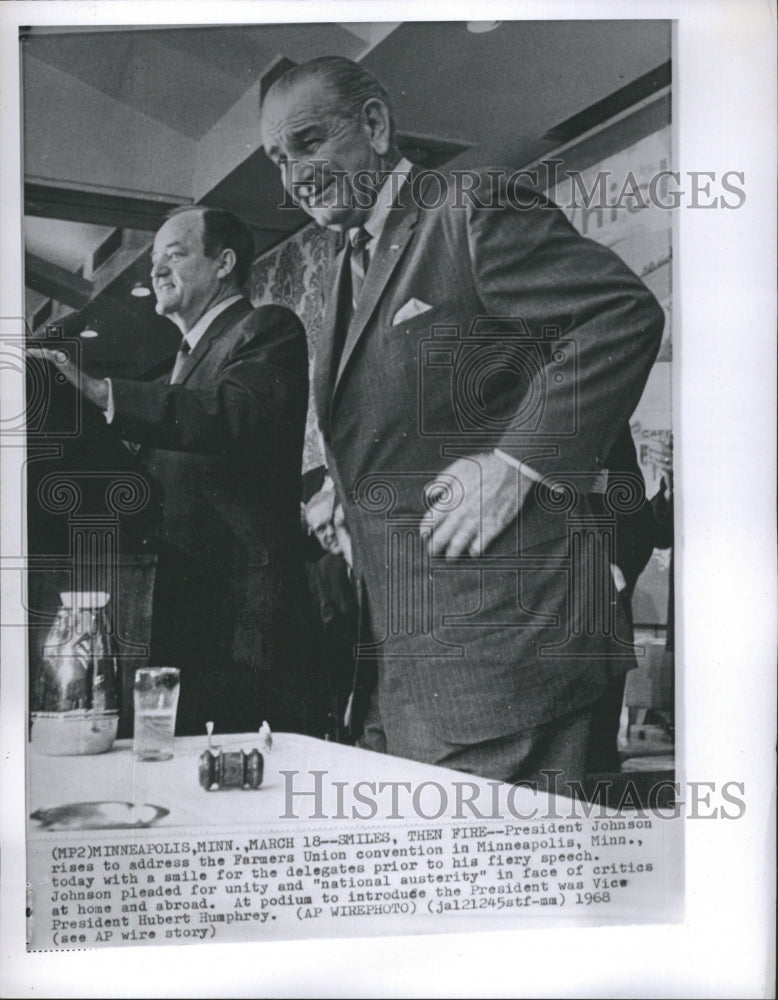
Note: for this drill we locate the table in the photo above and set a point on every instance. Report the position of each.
(174, 784)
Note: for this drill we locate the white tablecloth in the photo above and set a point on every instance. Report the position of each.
(174, 785)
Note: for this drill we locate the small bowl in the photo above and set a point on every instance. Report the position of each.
(70, 734)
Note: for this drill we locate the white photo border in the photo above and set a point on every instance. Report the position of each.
(724, 406)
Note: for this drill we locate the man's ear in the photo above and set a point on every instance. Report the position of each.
(227, 261)
(378, 123)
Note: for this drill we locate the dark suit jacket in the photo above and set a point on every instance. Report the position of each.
(336, 603)
(223, 448)
(538, 342)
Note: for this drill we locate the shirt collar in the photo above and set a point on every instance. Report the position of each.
(195, 334)
(387, 193)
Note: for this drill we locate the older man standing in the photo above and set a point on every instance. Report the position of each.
(221, 442)
(478, 359)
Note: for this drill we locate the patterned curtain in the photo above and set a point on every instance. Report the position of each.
(293, 275)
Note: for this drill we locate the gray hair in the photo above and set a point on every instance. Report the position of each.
(349, 82)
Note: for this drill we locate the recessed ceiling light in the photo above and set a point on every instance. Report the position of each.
(481, 27)
(139, 290)
(90, 331)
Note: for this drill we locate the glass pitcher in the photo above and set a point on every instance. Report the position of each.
(75, 697)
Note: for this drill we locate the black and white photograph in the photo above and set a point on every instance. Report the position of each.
(375, 568)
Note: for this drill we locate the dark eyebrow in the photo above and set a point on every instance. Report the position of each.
(177, 244)
(305, 129)
(169, 246)
(299, 134)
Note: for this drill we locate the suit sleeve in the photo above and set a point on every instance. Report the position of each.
(260, 382)
(530, 263)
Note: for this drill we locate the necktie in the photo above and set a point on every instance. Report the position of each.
(183, 352)
(360, 260)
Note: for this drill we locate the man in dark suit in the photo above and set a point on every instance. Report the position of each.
(478, 358)
(221, 440)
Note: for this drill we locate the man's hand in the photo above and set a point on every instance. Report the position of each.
(660, 454)
(95, 389)
(492, 496)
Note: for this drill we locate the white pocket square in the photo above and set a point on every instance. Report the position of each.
(413, 307)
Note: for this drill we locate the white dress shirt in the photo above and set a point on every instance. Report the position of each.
(387, 194)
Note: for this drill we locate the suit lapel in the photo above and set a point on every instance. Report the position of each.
(222, 322)
(396, 234)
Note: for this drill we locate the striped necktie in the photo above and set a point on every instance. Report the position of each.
(183, 352)
(360, 261)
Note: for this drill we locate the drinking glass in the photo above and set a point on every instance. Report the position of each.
(156, 701)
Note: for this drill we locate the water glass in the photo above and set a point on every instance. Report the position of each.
(156, 701)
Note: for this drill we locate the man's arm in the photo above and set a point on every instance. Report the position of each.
(530, 264)
(262, 383)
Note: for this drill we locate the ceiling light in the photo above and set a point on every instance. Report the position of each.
(139, 290)
(90, 331)
(481, 27)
